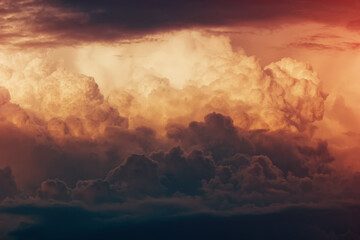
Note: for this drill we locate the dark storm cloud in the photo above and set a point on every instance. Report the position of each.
(214, 160)
(64, 22)
(8, 186)
(142, 15)
(54, 189)
(180, 173)
(201, 159)
(93, 191)
(217, 135)
(216, 168)
(137, 177)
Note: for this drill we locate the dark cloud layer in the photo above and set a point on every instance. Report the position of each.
(208, 166)
(7, 184)
(212, 156)
(74, 222)
(68, 22)
(202, 159)
(144, 15)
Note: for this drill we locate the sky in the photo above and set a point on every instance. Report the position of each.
(179, 119)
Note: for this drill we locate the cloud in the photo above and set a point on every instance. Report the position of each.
(342, 113)
(207, 78)
(204, 81)
(7, 184)
(315, 46)
(182, 174)
(37, 23)
(248, 166)
(137, 177)
(325, 42)
(54, 189)
(216, 135)
(4, 96)
(70, 130)
(76, 222)
(227, 135)
(93, 191)
(72, 101)
(277, 165)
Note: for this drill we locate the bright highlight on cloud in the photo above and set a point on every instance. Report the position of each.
(181, 77)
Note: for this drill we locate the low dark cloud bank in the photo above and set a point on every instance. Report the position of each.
(73, 222)
(216, 181)
(202, 159)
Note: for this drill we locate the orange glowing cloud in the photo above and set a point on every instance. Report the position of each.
(142, 103)
(210, 107)
(175, 79)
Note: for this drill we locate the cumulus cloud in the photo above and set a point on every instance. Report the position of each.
(205, 78)
(142, 90)
(226, 135)
(216, 135)
(137, 177)
(64, 146)
(184, 174)
(72, 103)
(93, 191)
(54, 189)
(71, 131)
(280, 167)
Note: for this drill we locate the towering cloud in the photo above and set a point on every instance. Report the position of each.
(212, 133)
(65, 121)
(146, 119)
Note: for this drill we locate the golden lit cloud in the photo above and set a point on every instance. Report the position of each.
(114, 113)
